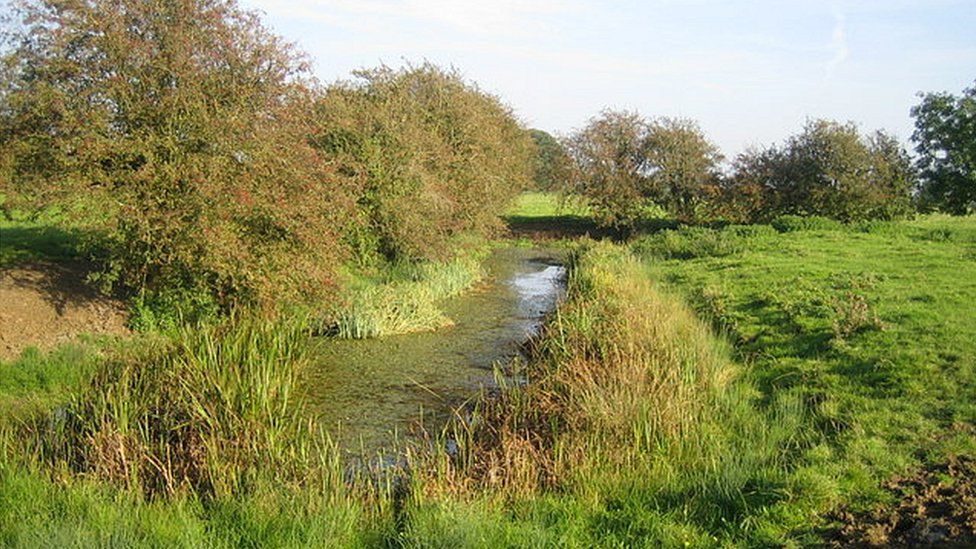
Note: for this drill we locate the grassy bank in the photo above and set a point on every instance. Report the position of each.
(870, 326)
(403, 298)
(741, 386)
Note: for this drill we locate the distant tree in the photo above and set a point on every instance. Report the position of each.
(749, 195)
(945, 139)
(682, 165)
(626, 164)
(828, 169)
(551, 167)
(611, 161)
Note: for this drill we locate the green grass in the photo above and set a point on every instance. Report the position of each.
(404, 298)
(699, 387)
(871, 325)
(25, 240)
(534, 205)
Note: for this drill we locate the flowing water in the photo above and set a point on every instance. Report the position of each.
(371, 392)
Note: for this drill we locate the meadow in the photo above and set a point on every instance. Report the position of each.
(775, 349)
(738, 385)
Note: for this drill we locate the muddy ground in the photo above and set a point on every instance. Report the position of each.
(44, 304)
(936, 507)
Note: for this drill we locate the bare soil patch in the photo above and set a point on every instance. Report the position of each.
(936, 508)
(44, 304)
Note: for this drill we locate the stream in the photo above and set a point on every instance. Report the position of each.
(370, 393)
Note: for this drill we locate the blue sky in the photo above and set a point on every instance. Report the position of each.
(750, 71)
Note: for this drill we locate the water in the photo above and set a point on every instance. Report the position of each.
(371, 392)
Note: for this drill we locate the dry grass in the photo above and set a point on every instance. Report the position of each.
(623, 370)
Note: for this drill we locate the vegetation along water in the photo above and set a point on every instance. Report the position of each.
(240, 307)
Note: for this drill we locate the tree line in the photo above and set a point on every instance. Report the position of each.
(626, 164)
(205, 159)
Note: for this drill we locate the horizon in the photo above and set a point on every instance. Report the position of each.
(557, 63)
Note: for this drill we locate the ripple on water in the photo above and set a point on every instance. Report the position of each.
(365, 390)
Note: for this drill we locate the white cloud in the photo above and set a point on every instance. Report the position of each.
(838, 44)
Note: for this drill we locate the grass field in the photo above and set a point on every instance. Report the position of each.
(763, 385)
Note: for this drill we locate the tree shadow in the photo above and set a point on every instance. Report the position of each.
(32, 242)
(556, 227)
(46, 259)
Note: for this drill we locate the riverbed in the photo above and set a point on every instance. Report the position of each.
(372, 393)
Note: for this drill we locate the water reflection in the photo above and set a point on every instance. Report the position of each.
(365, 390)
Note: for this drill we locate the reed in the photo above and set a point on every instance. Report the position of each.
(210, 410)
(408, 303)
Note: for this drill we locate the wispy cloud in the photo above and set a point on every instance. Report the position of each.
(838, 44)
(471, 17)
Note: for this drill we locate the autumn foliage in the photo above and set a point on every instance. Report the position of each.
(205, 157)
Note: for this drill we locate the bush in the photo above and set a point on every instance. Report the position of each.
(828, 169)
(435, 158)
(688, 243)
(195, 168)
(206, 410)
(793, 223)
(626, 164)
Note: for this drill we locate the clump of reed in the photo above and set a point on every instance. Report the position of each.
(209, 410)
(408, 303)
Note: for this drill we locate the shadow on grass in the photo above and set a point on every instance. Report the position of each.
(47, 260)
(20, 243)
(555, 227)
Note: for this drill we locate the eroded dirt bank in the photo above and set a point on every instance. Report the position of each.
(44, 304)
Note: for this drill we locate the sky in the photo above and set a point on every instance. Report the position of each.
(751, 72)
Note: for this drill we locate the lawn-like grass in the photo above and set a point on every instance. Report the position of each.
(873, 326)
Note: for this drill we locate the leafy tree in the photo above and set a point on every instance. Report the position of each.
(828, 169)
(945, 139)
(626, 164)
(552, 162)
(435, 156)
(182, 128)
(682, 164)
(610, 159)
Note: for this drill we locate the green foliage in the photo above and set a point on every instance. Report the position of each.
(168, 309)
(791, 223)
(434, 155)
(626, 163)
(829, 170)
(552, 166)
(683, 166)
(36, 373)
(206, 411)
(689, 242)
(194, 169)
(408, 303)
(609, 157)
(945, 139)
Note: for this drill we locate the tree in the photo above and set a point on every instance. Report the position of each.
(945, 139)
(181, 126)
(828, 169)
(626, 164)
(551, 170)
(610, 165)
(683, 166)
(436, 157)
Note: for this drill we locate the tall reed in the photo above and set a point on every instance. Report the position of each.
(211, 410)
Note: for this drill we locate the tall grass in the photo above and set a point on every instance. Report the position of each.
(209, 411)
(628, 397)
(408, 303)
